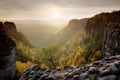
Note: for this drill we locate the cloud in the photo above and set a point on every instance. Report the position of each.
(24, 9)
(85, 3)
(36, 4)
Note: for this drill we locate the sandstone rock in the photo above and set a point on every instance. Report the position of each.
(59, 77)
(49, 78)
(36, 67)
(95, 63)
(84, 76)
(76, 71)
(43, 77)
(111, 42)
(7, 57)
(10, 27)
(117, 64)
(109, 70)
(67, 67)
(76, 77)
(110, 77)
(93, 70)
(48, 71)
(113, 69)
(105, 72)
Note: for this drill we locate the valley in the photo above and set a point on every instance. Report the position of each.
(79, 43)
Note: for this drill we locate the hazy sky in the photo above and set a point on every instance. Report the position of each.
(54, 10)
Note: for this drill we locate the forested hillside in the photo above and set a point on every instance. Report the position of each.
(86, 45)
(98, 38)
(80, 42)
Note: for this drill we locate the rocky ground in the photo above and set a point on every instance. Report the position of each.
(105, 69)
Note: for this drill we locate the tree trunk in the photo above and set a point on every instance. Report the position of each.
(51, 60)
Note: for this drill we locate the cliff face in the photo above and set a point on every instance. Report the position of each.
(7, 57)
(105, 29)
(103, 21)
(111, 41)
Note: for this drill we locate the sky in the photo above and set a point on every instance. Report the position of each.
(56, 11)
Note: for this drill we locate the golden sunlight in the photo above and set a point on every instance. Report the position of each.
(56, 14)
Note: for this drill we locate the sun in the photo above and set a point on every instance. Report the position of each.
(56, 14)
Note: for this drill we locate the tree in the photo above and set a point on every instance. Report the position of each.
(52, 54)
(48, 56)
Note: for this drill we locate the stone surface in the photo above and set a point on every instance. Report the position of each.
(7, 57)
(111, 41)
(109, 70)
(9, 27)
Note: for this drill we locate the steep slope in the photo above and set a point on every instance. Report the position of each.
(103, 27)
(70, 30)
(101, 35)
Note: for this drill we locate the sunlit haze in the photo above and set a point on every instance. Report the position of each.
(56, 14)
(54, 11)
(59, 39)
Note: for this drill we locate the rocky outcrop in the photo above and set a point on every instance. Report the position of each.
(111, 42)
(105, 69)
(76, 24)
(9, 27)
(7, 57)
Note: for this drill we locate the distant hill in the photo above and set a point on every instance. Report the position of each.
(37, 31)
(44, 34)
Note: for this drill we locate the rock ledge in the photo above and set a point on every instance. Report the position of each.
(105, 69)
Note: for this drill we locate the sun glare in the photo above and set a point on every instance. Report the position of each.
(56, 15)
